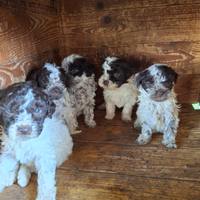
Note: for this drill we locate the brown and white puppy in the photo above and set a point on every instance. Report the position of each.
(82, 86)
(119, 89)
(158, 109)
(34, 140)
(54, 82)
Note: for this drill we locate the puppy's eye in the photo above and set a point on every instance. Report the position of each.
(9, 111)
(150, 85)
(116, 74)
(38, 111)
(44, 80)
(167, 83)
(74, 71)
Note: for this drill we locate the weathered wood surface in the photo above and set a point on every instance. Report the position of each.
(30, 36)
(25, 34)
(40, 6)
(16, 70)
(77, 6)
(107, 164)
(151, 31)
(183, 57)
(148, 25)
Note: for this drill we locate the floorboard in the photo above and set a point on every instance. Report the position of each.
(107, 164)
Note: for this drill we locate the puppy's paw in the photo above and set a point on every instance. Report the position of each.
(141, 140)
(169, 144)
(109, 116)
(75, 132)
(126, 119)
(137, 126)
(91, 124)
(12, 178)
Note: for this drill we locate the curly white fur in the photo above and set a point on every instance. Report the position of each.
(82, 95)
(41, 154)
(64, 108)
(157, 116)
(82, 92)
(123, 97)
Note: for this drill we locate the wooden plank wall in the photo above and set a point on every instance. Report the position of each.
(151, 31)
(29, 36)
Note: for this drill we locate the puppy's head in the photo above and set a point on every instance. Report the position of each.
(77, 66)
(115, 73)
(23, 108)
(157, 81)
(51, 79)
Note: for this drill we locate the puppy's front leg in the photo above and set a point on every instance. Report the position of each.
(8, 170)
(89, 116)
(126, 113)
(46, 177)
(23, 176)
(170, 134)
(110, 110)
(145, 135)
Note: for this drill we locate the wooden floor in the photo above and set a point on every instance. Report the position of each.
(107, 164)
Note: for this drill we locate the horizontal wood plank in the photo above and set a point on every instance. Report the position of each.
(25, 34)
(40, 6)
(183, 57)
(132, 26)
(78, 6)
(91, 185)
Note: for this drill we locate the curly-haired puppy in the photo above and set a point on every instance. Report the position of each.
(55, 83)
(157, 110)
(119, 89)
(82, 86)
(34, 141)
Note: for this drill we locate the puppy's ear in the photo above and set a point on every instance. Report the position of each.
(88, 68)
(138, 79)
(175, 77)
(2, 93)
(33, 75)
(51, 108)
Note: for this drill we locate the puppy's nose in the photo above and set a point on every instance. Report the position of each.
(106, 82)
(24, 130)
(160, 92)
(56, 90)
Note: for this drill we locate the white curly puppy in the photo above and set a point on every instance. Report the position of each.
(82, 86)
(55, 83)
(157, 110)
(119, 89)
(34, 141)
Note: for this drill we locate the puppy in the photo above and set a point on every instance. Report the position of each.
(157, 110)
(119, 89)
(34, 141)
(82, 86)
(55, 83)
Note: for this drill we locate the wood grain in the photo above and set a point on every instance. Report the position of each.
(15, 71)
(78, 6)
(132, 26)
(24, 34)
(106, 163)
(40, 6)
(183, 57)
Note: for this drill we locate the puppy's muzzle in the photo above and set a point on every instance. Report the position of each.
(106, 82)
(159, 93)
(24, 130)
(56, 93)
